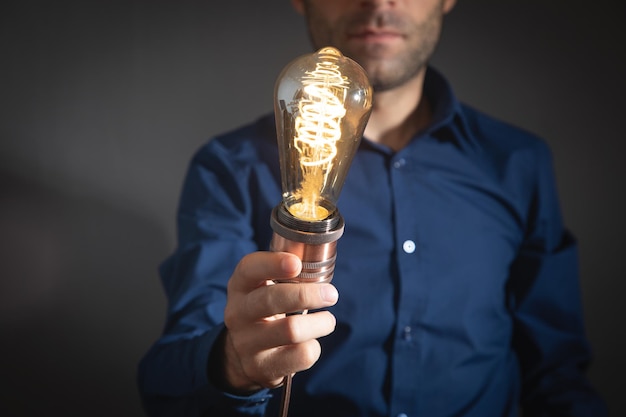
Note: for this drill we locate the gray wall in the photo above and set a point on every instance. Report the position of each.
(103, 103)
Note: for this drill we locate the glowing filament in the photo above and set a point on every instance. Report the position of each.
(318, 128)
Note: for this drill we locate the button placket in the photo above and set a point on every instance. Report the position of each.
(407, 349)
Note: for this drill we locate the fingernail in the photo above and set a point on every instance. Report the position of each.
(329, 293)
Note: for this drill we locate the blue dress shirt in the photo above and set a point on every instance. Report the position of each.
(459, 292)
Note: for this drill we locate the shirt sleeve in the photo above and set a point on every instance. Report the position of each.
(544, 295)
(214, 232)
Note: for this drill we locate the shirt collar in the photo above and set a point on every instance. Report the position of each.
(445, 106)
(447, 111)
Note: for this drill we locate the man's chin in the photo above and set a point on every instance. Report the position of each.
(378, 69)
(370, 52)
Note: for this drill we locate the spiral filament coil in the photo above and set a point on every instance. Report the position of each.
(318, 128)
(319, 125)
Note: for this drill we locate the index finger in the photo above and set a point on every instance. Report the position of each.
(255, 269)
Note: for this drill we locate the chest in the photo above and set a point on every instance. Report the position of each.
(442, 229)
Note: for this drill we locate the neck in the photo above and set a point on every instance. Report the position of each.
(398, 114)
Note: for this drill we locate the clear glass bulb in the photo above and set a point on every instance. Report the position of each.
(322, 104)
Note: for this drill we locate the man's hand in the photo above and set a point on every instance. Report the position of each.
(261, 344)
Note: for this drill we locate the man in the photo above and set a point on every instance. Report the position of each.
(458, 281)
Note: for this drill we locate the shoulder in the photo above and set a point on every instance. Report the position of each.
(506, 148)
(519, 161)
(500, 138)
(249, 141)
(491, 133)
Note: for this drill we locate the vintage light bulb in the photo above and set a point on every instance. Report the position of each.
(322, 104)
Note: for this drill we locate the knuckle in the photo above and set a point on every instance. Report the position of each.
(269, 299)
(243, 265)
(292, 331)
(233, 311)
(230, 318)
(310, 353)
(285, 298)
(303, 296)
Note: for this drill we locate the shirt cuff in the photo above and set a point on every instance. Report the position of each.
(226, 403)
(238, 405)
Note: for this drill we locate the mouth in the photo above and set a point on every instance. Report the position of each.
(374, 35)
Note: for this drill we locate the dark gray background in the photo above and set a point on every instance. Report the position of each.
(103, 102)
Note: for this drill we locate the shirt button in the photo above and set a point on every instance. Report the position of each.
(408, 246)
(406, 334)
(399, 163)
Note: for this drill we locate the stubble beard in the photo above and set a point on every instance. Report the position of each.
(384, 71)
